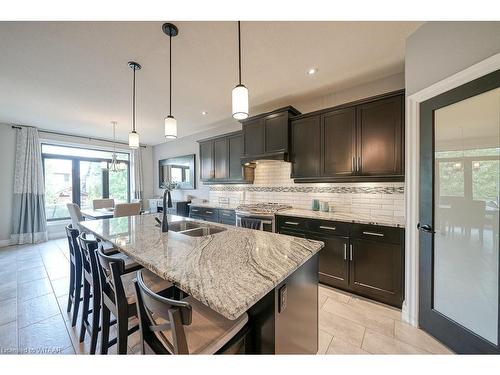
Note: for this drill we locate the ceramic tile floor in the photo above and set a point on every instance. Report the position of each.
(33, 318)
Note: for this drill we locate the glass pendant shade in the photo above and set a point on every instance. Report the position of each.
(133, 140)
(240, 102)
(170, 127)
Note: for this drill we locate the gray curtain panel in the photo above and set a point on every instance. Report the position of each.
(28, 212)
(138, 177)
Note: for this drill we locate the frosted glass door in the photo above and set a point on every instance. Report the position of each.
(466, 213)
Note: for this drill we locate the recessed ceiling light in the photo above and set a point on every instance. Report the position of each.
(312, 71)
(204, 113)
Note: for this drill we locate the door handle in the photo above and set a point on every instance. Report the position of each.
(425, 228)
(350, 252)
(345, 251)
(329, 228)
(374, 234)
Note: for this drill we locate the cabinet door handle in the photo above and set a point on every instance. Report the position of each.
(345, 251)
(353, 164)
(325, 227)
(291, 223)
(374, 234)
(358, 164)
(224, 214)
(209, 212)
(350, 252)
(194, 210)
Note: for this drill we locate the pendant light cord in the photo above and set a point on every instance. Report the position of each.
(133, 102)
(239, 51)
(170, 80)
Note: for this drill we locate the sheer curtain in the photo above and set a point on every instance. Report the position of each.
(28, 213)
(138, 188)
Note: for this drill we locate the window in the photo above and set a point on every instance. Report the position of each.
(81, 175)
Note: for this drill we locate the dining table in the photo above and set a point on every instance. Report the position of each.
(98, 213)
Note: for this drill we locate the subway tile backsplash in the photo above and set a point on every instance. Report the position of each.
(273, 184)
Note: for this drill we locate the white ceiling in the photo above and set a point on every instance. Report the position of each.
(73, 76)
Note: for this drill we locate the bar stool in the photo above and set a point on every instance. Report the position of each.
(118, 298)
(187, 326)
(91, 289)
(75, 273)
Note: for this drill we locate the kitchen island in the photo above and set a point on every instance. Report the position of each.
(272, 277)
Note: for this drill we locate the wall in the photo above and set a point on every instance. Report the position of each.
(7, 153)
(185, 146)
(7, 156)
(273, 184)
(188, 145)
(437, 50)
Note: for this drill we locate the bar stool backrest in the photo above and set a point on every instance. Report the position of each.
(174, 316)
(111, 269)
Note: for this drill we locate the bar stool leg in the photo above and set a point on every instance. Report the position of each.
(96, 303)
(77, 296)
(105, 323)
(71, 294)
(85, 312)
(122, 332)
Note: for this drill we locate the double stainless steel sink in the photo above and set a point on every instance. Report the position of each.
(194, 229)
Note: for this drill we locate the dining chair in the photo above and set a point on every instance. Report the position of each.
(127, 209)
(186, 326)
(103, 203)
(75, 214)
(118, 298)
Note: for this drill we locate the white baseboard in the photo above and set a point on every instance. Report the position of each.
(4, 243)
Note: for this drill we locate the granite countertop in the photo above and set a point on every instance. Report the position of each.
(228, 271)
(389, 221)
(231, 206)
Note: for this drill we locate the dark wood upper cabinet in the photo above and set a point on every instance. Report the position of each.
(276, 133)
(266, 136)
(206, 160)
(235, 145)
(360, 141)
(220, 160)
(253, 135)
(380, 137)
(306, 153)
(339, 143)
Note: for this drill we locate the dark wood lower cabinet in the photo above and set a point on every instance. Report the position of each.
(364, 259)
(375, 270)
(333, 260)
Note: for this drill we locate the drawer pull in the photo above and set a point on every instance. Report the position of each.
(291, 223)
(226, 214)
(329, 228)
(350, 252)
(374, 234)
(345, 251)
(209, 212)
(194, 210)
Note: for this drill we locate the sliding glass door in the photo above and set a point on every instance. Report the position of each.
(81, 175)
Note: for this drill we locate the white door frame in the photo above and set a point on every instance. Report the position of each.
(412, 152)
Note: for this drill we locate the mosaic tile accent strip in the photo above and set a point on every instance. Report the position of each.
(313, 189)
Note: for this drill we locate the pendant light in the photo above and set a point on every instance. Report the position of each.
(170, 122)
(133, 136)
(240, 92)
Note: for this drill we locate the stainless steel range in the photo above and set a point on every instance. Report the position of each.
(260, 211)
